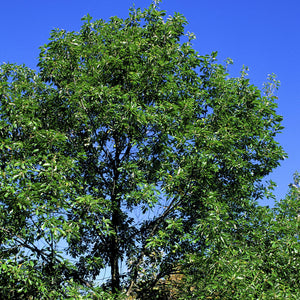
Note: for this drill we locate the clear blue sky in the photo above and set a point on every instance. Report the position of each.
(261, 34)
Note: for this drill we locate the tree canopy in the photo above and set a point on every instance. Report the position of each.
(125, 149)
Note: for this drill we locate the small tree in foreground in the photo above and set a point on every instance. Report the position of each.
(121, 148)
(258, 259)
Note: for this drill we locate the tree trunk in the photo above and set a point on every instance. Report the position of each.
(114, 255)
(116, 206)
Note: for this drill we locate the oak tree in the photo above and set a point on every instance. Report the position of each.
(121, 146)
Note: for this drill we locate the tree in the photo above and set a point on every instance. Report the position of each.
(259, 259)
(121, 146)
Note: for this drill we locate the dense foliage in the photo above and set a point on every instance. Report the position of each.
(129, 150)
(258, 258)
